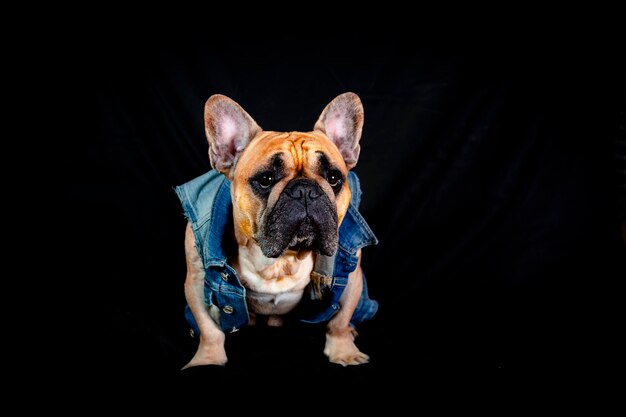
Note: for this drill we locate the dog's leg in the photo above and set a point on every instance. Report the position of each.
(211, 347)
(340, 347)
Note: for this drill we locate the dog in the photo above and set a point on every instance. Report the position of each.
(274, 226)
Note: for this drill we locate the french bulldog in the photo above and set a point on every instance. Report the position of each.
(289, 195)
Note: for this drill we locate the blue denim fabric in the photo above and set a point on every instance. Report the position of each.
(207, 205)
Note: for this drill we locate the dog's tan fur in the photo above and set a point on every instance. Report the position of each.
(274, 286)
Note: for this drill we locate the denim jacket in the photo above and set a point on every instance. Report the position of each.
(207, 205)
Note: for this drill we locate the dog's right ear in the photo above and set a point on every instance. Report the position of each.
(229, 129)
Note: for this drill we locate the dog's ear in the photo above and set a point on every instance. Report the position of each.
(229, 129)
(342, 122)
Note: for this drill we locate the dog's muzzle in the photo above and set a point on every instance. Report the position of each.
(302, 218)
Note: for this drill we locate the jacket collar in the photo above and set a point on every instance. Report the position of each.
(220, 214)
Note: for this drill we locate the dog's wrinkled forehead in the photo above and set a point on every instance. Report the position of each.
(296, 153)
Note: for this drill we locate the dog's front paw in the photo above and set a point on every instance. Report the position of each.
(340, 349)
(202, 360)
(208, 354)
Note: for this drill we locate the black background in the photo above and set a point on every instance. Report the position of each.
(488, 174)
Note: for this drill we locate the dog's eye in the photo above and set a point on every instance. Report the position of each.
(265, 180)
(334, 178)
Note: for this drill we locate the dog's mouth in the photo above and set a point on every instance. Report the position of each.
(303, 218)
(308, 235)
(304, 238)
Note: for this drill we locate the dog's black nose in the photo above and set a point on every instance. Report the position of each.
(303, 189)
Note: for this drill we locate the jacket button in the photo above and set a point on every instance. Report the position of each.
(224, 276)
(228, 309)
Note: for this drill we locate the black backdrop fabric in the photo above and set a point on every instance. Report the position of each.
(488, 176)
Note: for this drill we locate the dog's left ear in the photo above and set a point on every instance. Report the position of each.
(342, 122)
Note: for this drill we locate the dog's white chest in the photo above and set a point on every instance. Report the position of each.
(273, 304)
(274, 286)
